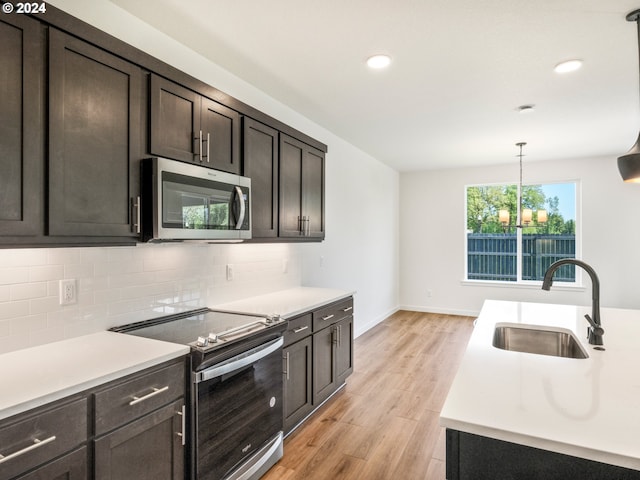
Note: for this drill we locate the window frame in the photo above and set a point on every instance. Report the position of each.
(520, 283)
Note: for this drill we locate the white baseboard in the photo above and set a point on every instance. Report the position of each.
(445, 311)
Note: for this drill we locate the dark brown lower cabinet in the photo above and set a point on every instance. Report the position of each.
(38, 438)
(70, 467)
(318, 358)
(148, 448)
(332, 358)
(475, 457)
(298, 401)
(130, 428)
(344, 349)
(324, 364)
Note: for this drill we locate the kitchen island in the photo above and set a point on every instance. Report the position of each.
(508, 409)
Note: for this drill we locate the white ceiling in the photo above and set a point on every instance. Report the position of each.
(460, 70)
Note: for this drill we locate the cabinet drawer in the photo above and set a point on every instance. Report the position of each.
(325, 316)
(42, 437)
(138, 396)
(298, 328)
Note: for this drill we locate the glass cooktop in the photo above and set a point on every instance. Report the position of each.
(200, 328)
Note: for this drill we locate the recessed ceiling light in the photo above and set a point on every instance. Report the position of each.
(379, 61)
(568, 66)
(524, 109)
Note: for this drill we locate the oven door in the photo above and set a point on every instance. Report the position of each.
(238, 415)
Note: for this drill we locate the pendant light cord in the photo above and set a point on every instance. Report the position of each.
(520, 192)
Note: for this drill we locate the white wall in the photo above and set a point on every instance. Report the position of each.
(124, 284)
(432, 232)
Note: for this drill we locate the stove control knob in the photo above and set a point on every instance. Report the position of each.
(202, 342)
(213, 338)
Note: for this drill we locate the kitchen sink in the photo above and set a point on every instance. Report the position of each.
(538, 340)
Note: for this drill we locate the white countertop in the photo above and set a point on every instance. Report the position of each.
(588, 408)
(35, 376)
(286, 303)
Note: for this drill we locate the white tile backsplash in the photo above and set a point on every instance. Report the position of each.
(126, 284)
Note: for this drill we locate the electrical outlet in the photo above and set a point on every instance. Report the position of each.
(429, 293)
(229, 272)
(285, 265)
(321, 261)
(68, 292)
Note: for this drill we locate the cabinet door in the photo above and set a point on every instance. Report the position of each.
(221, 136)
(174, 121)
(70, 467)
(324, 369)
(291, 154)
(21, 126)
(260, 163)
(301, 190)
(94, 151)
(297, 383)
(148, 448)
(313, 191)
(344, 349)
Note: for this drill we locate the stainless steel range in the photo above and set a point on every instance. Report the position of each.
(235, 392)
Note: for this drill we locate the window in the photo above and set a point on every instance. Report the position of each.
(500, 250)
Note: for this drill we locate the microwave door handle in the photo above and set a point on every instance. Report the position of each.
(242, 208)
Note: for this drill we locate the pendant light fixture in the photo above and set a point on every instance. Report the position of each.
(629, 163)
(525, 215)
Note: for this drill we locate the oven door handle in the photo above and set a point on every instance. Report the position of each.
(239, 361)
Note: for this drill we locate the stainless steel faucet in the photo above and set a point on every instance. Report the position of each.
(595, 330)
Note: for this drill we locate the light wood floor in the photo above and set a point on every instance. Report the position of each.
(384, 423)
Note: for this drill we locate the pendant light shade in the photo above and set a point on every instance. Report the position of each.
(629, 163)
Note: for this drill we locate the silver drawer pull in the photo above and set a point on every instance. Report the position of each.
(36, 444)
(155, 392)
(347, 309)
(328, 317)
(298, 330)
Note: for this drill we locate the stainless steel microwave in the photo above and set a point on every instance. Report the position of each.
(181, 201)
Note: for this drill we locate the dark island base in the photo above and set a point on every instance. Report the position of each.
(474, 457)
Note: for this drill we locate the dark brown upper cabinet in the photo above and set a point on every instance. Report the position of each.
(302, 194)
(189, 127)
(95, 107)
(21, 125)
(260, 163)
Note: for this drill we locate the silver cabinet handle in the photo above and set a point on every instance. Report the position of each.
(287, 365)
(307, 230)
(155, 392)
(135, 204)
(301, 329)
(36, 444)
(208, 143)
(328, 317)
(181, 434)
(339, 335)
(199, 139)
(348, 309)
